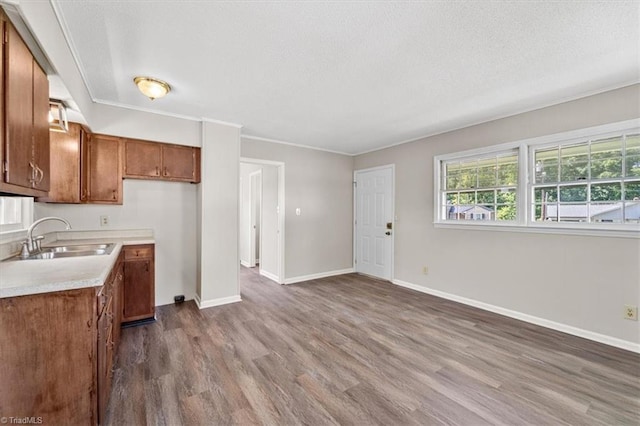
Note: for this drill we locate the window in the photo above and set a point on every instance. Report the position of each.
(591, 181)
(16, 213)
(481, 188)
(587, 179)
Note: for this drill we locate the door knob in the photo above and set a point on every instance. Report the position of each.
(387, 233)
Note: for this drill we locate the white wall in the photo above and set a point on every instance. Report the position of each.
(579, 281)
(320, 184)
(166, 207)
(269, 249)
(218, 213)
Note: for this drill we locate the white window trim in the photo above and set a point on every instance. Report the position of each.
(524, 222)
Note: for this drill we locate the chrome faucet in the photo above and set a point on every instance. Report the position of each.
(32, 245)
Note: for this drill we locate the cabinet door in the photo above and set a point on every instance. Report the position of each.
(141, 159)
(65, 175)
(104, 173)
(117, 302)
(19, 111)
(85, 139)
(139, 297)
(178, 162)
(104, 365)
(41, 127)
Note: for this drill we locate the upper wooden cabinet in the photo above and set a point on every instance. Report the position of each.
(85, 168)
(102, 181)
(66, 171)
(25, 126)
(154, 160)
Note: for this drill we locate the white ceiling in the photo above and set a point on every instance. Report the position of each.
(352, 76)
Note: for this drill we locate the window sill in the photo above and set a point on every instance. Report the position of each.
(564, 229)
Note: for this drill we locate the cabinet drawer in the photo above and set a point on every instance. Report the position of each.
(138, 252)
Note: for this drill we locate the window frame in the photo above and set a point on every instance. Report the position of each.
(526, 181)
(26, 207)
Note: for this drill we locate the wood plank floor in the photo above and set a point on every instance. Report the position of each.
(353, 350)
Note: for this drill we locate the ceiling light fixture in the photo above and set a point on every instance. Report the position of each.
(152, 87)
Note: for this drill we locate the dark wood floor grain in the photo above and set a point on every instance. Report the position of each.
(352, 350)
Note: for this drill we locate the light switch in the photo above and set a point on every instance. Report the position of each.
(298, 211)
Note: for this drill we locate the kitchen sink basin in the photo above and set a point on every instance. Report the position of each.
(72, 251)
(79, 248)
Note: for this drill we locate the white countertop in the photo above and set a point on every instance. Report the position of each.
(24, 277)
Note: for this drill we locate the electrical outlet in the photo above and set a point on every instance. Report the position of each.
(104, 220)
(631, 312)
(425, 270)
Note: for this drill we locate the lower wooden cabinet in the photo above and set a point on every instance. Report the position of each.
(139, 283)
(109, 321)
(57, 351)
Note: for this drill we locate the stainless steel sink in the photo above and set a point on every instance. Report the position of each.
(80, 250)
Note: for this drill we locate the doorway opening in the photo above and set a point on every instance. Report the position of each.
(261, 220)
(374, 221)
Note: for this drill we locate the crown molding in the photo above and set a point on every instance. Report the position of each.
(257, 138)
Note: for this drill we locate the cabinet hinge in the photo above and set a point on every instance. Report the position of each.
(5, 166)
(355, 183)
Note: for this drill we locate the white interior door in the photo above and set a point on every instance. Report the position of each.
(374, 222)
(256, 191)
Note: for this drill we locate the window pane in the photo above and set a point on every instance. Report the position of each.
(506, 212)
(468, 175)
(632, 162)
(572, 212)
(508, 170)
(546, 194)
(573, 193)
(606, 213)
(467, 198)
(606, 158)
(632, 191)
(545, 212)
(633, 165)
(606, 192)
(487, 176)
(546, 168)
(486, 197)
(452, 198)
(574, 162)
(10, 210)
(452, 171)
(506, 196)
(632, 208)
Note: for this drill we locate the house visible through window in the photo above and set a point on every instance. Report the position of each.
(583, 179)
(481, 188)
(591, 181)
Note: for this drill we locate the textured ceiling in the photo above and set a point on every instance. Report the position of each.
(352, 76)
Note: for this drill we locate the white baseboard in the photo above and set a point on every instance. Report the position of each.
(601, 338)
(245, 264)
(267, 274)
(215, 302)
(302, 278)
